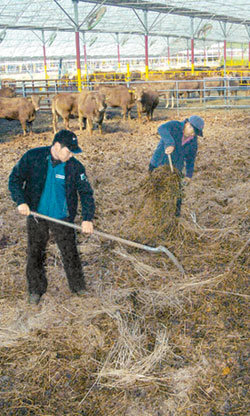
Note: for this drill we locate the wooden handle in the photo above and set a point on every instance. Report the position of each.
(170, 163)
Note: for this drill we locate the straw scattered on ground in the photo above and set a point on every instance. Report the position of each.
(145, 340)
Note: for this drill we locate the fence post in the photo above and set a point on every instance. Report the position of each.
(177, 97)
(23, 88)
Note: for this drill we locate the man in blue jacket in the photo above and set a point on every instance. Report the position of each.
(178, 139)
(49, 180)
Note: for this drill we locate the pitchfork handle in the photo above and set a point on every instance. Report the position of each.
(114, 238)
(170, 163)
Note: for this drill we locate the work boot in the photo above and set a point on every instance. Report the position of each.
(34, 298)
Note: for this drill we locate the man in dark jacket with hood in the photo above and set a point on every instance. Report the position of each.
(178, 139)
(49, 180)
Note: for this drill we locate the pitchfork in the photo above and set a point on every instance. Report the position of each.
(118, 239)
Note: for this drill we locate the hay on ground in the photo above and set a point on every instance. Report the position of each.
(152, 218)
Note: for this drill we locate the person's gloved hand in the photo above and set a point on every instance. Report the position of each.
(185, 181)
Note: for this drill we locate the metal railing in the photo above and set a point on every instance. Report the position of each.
(202, 93)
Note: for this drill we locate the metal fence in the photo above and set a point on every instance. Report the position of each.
(203, 93)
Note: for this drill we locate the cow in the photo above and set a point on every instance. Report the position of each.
(171, 89)
(91, 107)
(147, 100)
(7, 92)
(167, 90)
(188, 87)
(8, 82)
(64, 105)
(119, 96)
(210, 84)
(86, 105)
(20, 108)
(233, 86)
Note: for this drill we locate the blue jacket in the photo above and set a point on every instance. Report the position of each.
(27, 180)
(171, 135)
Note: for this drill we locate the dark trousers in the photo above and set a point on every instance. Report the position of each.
(178, 207)
(38, 236)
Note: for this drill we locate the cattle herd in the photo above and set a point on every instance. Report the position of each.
(90, 106)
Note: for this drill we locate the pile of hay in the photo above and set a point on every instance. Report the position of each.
(145, 340)
(152, 218)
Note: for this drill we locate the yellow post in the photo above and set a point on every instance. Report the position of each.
(128, 71)
(79, 81)
(45, 71)
(146, 72)
(192, 56)
(249, 54)
(86, 71)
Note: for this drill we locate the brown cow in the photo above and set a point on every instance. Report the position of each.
(211, 84)
(91, 107)
(233, 85)
(119, 96)
(170, 89)
(7, 92)
(147, 100)
(188, 87)
(64, 105)
(22, 109)
(167, 90)
(85, 105)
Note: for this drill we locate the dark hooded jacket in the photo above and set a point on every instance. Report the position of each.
(171, 135)
(27, 180)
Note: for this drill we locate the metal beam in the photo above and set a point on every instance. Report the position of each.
(114, 31)
(170, 9)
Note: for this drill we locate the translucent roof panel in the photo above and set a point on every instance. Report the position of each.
(104, 23)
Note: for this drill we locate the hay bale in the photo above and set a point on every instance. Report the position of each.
(152, 219)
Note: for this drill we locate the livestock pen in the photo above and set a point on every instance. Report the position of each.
(216, 92)
(145, 340)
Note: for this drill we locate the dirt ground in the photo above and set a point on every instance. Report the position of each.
(146, 339)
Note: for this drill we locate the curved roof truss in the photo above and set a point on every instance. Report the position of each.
(176, 19)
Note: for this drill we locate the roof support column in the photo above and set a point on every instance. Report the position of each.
(187, 53)
(146, 43)
(242, 54)
(78, 60)
(249, 54)
(85, 56)
(168, 52)
(232, 54)
(219, 52)
(44, 56)
(248, 32)
(118, 51)
(146, 57)
(205, 53)
(225, 53)
(192, 46)
(224, 31)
